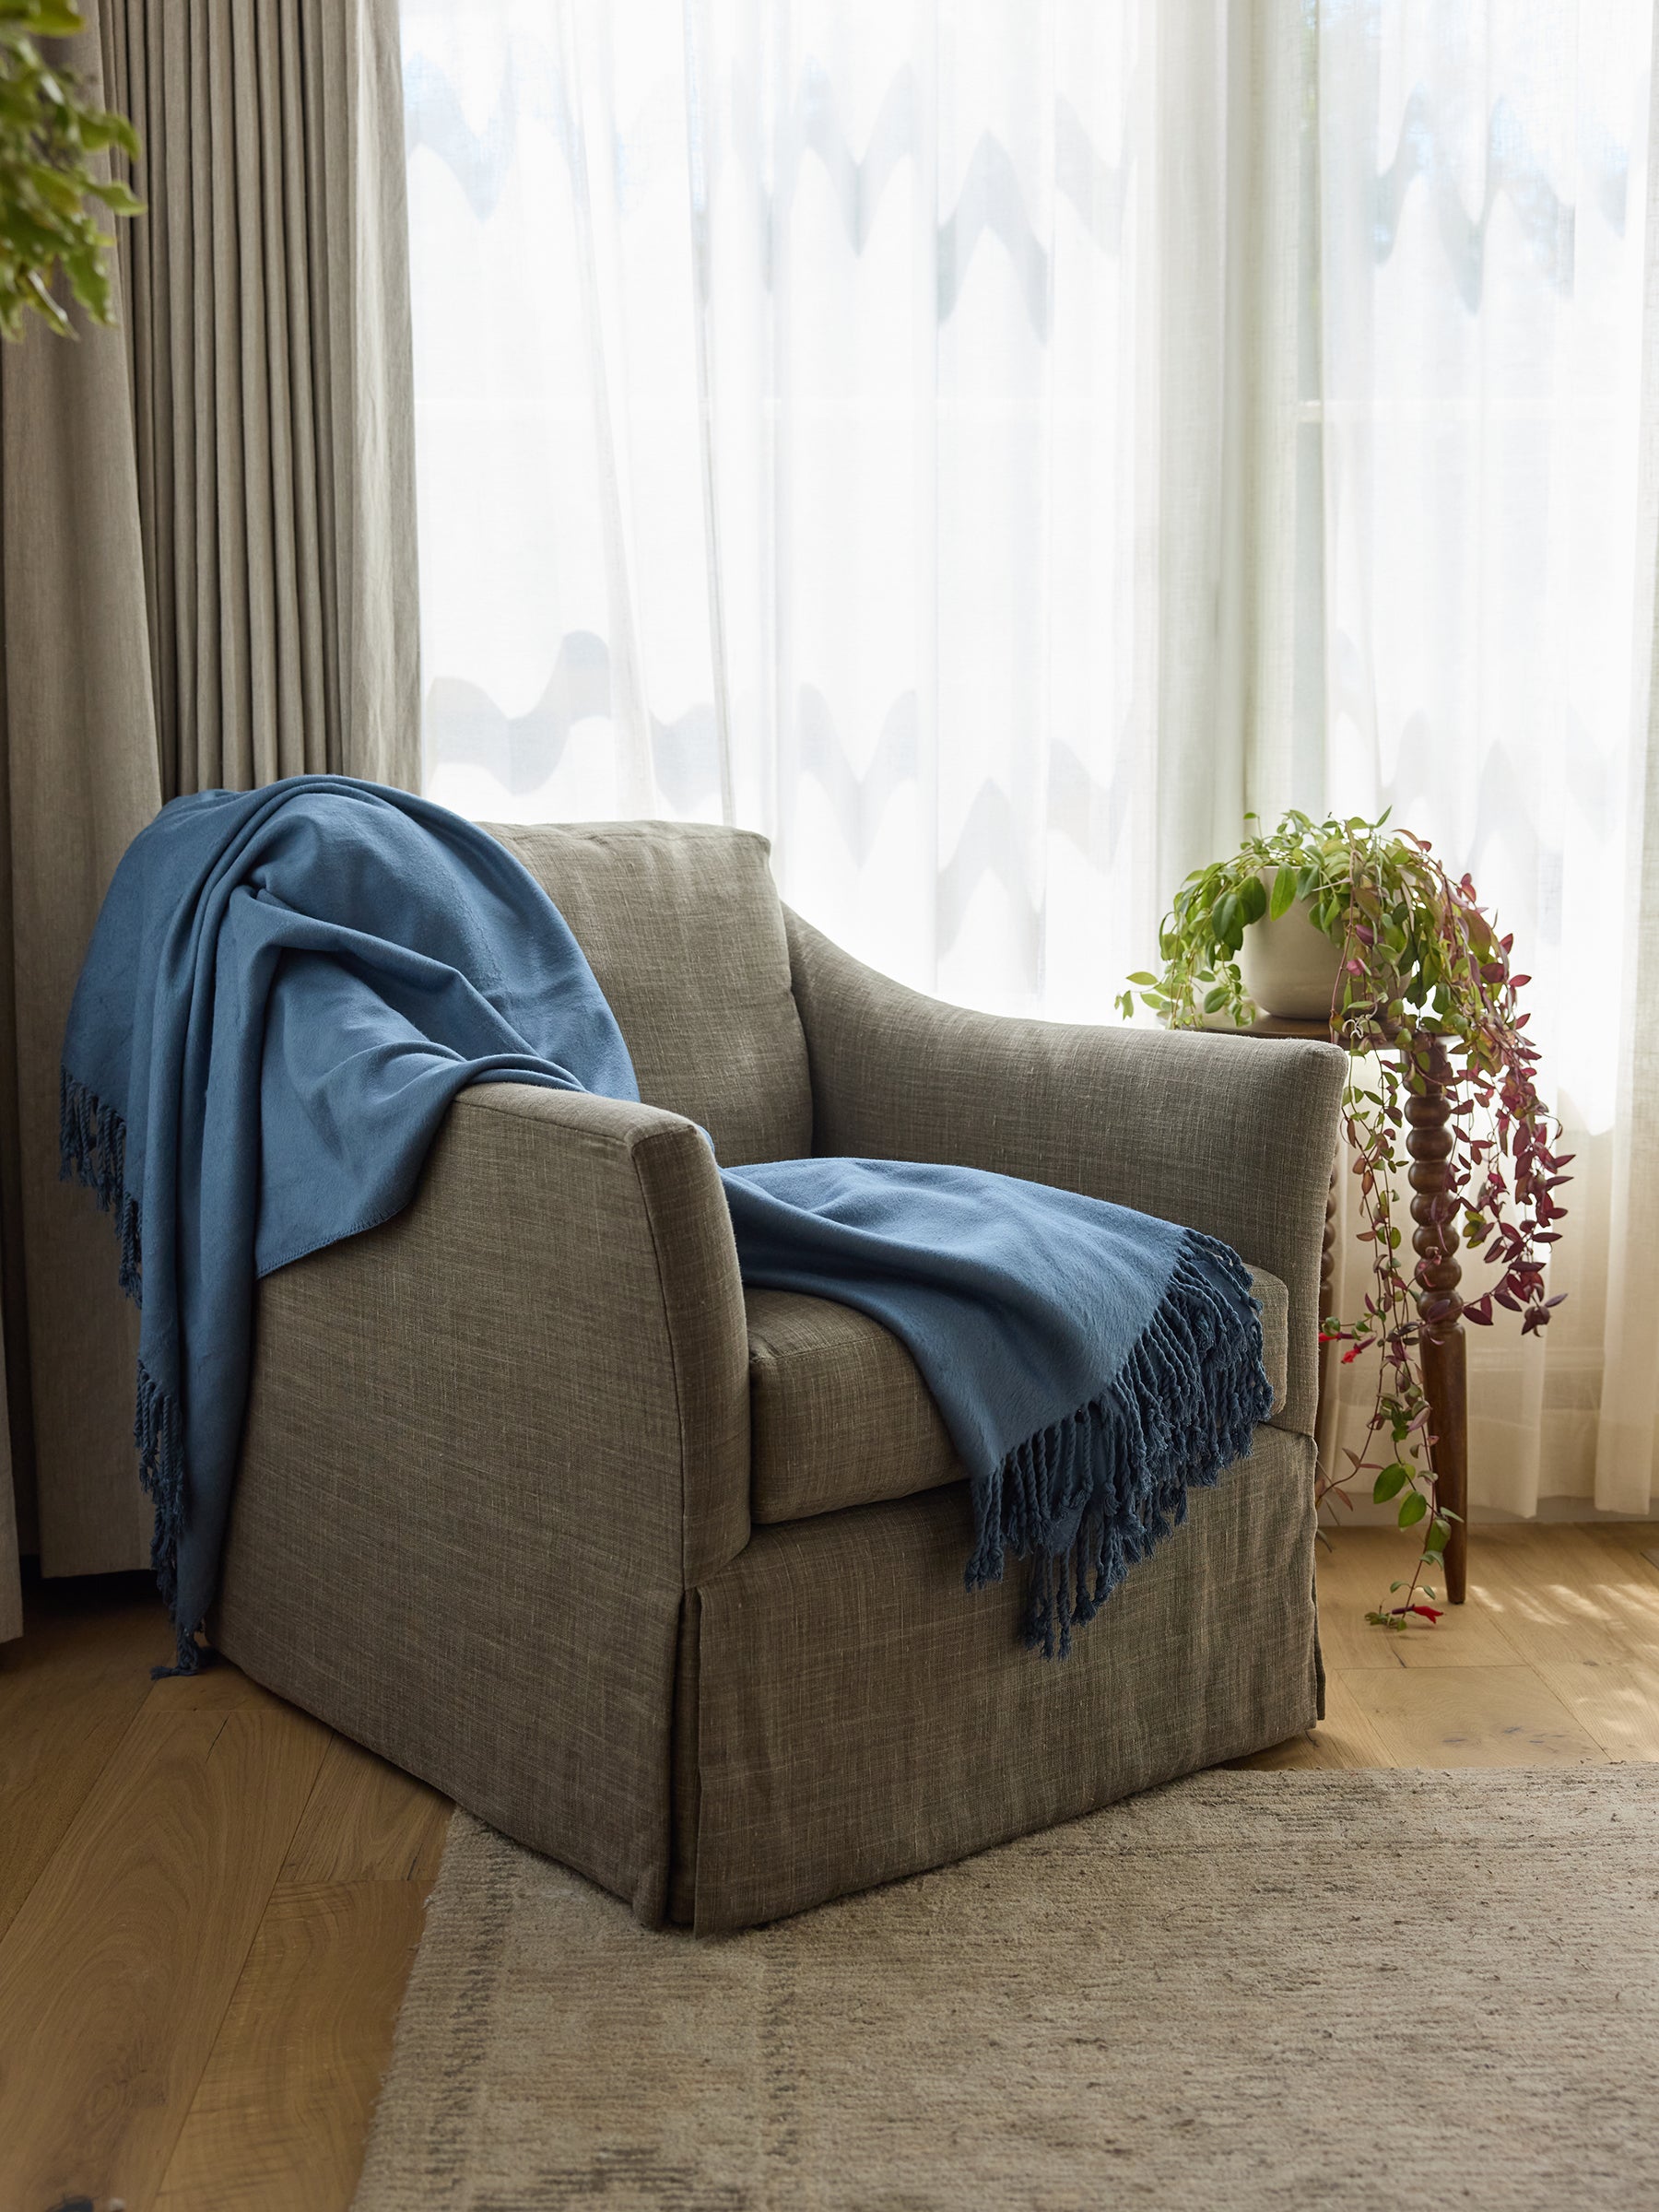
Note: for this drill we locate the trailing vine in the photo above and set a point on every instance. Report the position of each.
(1420, 961)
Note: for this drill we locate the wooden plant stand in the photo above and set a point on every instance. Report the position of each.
(1435, 1282)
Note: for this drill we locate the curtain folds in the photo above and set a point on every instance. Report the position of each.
(268, 332)
(206, 577)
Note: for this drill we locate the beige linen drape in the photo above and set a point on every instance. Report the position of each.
(206, 577)
(269, 334)
(79, 778)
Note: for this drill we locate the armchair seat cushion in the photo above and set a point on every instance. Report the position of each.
(840, 1416)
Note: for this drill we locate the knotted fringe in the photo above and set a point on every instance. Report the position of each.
(1086, 1498)
(92, 1150)
(158, 1430)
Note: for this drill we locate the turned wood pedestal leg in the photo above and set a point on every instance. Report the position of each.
(1430, 1143)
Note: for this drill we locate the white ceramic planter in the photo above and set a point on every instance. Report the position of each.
(1290, 967)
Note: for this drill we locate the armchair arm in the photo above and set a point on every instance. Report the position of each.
(489, 1446)
(1233, 1135)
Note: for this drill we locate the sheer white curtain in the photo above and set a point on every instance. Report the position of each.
(838, 419)
(1485, 601)
(989, 446)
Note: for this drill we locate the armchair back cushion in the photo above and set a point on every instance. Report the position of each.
(683, 927)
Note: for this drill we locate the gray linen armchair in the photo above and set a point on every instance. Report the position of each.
(666, 1580)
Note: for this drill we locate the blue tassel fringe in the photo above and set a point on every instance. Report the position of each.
(1088, 1498)
(92, 1151)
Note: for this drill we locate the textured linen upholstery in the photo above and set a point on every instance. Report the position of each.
(496, 1518)
(682, 925)
(1275, 1302)
(840, 1416)
(859, 1717)
(480, 1470)
(1234, 1136)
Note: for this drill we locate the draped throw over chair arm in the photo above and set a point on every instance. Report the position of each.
(1221, 1133)
(489, 1445)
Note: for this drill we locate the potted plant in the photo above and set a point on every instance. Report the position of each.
(1363, 927)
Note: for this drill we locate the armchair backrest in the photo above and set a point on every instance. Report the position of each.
(684, 929)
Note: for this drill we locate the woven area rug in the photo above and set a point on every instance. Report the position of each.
(1243, 1991)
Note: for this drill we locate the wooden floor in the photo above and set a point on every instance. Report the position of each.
(208, 1903)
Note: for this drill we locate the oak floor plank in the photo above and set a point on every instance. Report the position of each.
(1354, 1573)
(219, 1687)
(125, 1955)
(1343, 1738)
(1559, 1594)
(282, 2116)
(70, 1688)
(1639, 1537)
(1635, 1545)
(1470, 1716)
(1617, 1703)
(368, 1822)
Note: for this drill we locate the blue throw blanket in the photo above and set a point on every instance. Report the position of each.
(286, 989)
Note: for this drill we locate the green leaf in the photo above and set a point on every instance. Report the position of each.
(1253, 899)
(1284, 893)
(1434, 1543)
(1214, 1000)
(1413, 1509)
(58, 191)
(1389, 1482)
(1140, 976)
(49, 21)
(117, 198)
(97, 132)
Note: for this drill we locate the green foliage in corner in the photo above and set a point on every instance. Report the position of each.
(51, 141)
